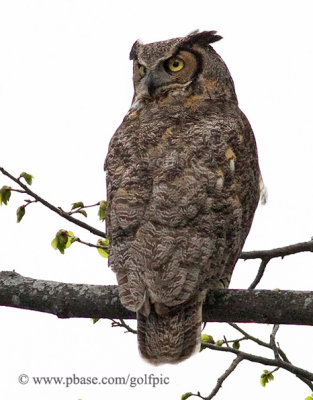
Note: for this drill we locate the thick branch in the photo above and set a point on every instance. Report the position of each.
(67, 300)
(53, 208)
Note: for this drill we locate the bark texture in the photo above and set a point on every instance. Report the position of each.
(67, 300)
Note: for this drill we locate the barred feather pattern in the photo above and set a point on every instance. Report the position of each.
(178, 333)
(182, 186)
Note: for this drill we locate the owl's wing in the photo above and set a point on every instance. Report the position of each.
(179, 208)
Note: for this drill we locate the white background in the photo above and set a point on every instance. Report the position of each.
(65, 85)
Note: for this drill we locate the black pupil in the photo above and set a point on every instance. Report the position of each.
(175, 64)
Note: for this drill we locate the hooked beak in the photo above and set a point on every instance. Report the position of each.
(150, 84)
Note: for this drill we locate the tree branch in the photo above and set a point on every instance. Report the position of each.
(280, 352)
(58, 211)
(278, 252)
(67, 300)
(122, 324)
(264, 360)
(95, 301)
(220, 380)
(225, 375)
(260, 273)
(96, 246)
(250, 337)
(273, 341)
(267, 255)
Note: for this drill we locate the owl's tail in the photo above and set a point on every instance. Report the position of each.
(170, 335)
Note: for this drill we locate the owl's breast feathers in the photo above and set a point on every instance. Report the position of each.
(182, 192)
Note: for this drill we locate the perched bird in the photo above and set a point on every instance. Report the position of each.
(183, 183)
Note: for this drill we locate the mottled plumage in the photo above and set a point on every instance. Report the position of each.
(183, 186)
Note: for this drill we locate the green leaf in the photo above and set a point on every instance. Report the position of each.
(105, 243)
(20, 212)
(63, 240)
(102, 210)
(219, 343)
(5, 194)
(54, 243)
(309, 398)
(95, 320)
(79, 204)
(103, 253)
(186, 396)
(28, 178)
(207, 339)
(83, 212)
(73, 239)
(70, 239)
(266, 377)
(236, 345)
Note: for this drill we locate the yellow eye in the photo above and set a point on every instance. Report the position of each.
(142, 71)
(175, 64)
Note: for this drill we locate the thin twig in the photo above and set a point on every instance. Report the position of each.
(29, 202)
(221, 379)
(91, 244)
(278, 252)
(225, 341)
(260, 273)
(274, 370)
(248, 336)
(258, 341)
(53, 208)
(235, 340)
(273, 342)
(123, 324)
(225, 375)
(17, 190)
(77, 210)
(281, 353)
(264, 360)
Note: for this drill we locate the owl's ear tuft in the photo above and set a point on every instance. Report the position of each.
(202, 38)
(133, 51)
(133, 55)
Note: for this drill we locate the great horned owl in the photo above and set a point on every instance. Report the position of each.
(182, 185)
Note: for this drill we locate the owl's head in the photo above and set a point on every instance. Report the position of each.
(181, 67)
